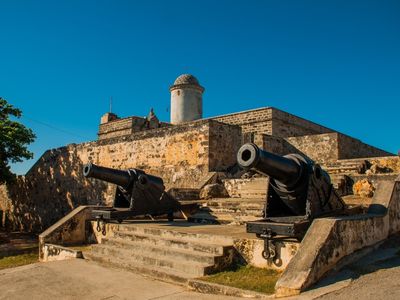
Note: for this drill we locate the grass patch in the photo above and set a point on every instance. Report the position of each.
(18, 260)
(247, 278)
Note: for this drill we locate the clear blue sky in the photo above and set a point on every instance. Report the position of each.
(334, 62)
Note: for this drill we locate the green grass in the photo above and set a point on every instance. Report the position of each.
(247, 278)
(18, 260)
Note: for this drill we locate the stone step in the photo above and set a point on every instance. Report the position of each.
(247, 188)
(159, 273)
(221, 218)
(239, 203)
(179, 254)
(178, 235)
(184, 194)
(232, 210)
(175, 242)
(167, 262)
(231, 214)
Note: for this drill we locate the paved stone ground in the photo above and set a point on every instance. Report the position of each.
(375, 276)
(80, 279)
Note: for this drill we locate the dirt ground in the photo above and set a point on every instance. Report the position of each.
(14, 243)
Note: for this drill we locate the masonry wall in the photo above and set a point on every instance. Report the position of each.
(254, 121)
(288, 125)
(272, 121)
(225, 141)
(182, 155)
(353, 148)
(275, 144)
(330, 147)
(126, 127)
(319, 147)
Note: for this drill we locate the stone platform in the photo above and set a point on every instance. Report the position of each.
(180, 250)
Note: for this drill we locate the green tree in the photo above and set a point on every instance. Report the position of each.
(14, 138)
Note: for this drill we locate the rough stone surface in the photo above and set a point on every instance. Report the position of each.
(363, 188)
(377, 169)
(116, 127)
(214, 190)
(181, 155)
(247, 188)
(56, 252)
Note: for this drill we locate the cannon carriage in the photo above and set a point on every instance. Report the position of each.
(298, 191)
(137, 194)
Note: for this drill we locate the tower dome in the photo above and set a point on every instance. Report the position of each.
(186, 99)
(186, 79)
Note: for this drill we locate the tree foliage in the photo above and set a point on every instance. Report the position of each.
(14, 138)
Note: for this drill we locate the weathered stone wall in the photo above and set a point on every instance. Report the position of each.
(274, 144)
(52, 188)
(288, 125)
(319, 147)
(272, 121)
(126, 127)
(225, 141)
(330, 147)
(254, 121)
(352, 148)
(182, 155)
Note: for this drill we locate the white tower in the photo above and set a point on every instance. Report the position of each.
(186, 99)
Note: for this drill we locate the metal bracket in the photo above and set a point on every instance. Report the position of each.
(101, 225)
(269, 252)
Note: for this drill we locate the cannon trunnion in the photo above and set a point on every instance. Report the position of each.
(137, 193)
(298, 191)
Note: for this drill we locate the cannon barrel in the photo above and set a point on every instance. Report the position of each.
(118, 177)
(283, 169)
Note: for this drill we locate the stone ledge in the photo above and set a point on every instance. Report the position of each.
(219, 289)
(56, 252)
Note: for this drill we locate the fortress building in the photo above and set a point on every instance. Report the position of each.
(188, 153)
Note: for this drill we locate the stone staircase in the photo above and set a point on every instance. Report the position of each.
(229, 210)
(346, 167)
(167, 255)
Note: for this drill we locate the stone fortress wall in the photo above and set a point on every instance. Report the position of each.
(182, 154)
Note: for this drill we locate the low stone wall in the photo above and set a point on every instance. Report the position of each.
(333, 146)
(126, 126)
(71, 229)
(353, 148)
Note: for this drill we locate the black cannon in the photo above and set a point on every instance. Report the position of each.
(298, 191)
(137, 193)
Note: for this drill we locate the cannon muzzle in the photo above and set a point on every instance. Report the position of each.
(118, 177)
(284, 169)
